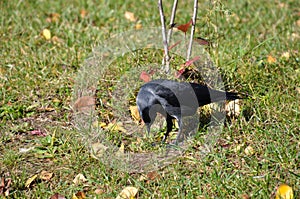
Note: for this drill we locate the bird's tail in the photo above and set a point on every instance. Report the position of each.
(233, 96)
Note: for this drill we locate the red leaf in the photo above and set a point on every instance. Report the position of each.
(180, 72)
(184, 27)
(145, 76)
(174, 45)
(190, 62)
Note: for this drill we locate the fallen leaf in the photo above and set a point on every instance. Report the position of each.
(128, 193)
(134, 111)
(249, 150)
(45, 175)
(30, 180)
(38, 133)
(5, 186)
(83, 13)
(53, 17)
(153, 175)
(116, 127)
(298, 90)
(46, 34)
(285, 55)
(79, 195)
(79, 179)
(284, 192)
(25, 150)
(98, 150)
(271, 59)
(190, 62)
(184, 27)
(57, 196)
(145, 76)
(233, 109)
(84, 104)
(130, 16)
(174, 45)
(138, 26)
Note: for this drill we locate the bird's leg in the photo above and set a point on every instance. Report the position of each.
(169, 127)
(179, 131)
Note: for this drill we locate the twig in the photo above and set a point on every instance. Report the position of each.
(193, 30)
(172, 19)
(164, 34)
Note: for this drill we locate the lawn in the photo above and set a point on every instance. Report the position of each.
(45, 45)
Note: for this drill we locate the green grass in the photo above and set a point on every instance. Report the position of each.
(37, 80)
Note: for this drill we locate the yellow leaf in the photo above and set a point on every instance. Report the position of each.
(127, 193)
(30, 180)
(46, 34)
(138, 26)
(130, 16)
(135, 113)
(116, 127)
(284, 192)
(271, 59)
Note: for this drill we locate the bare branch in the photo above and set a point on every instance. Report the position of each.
(193, 30)
(172, 19)
(164, 34)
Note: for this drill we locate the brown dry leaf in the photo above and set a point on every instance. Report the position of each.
(79, 195)
(145, 76)
(284, 192)
(83, 13)
(84, 104)
(57, 196)
(130, 16)
(153, 175)
(5, 186)
(128, 193)
(45, 175)
(46, 34)
(53, 17)
(298, 90)
(79, 179)
(271, 59)
(135, 113)
(30, 180)
(233, 109)
(98, 150)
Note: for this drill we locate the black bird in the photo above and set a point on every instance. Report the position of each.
(175, 100)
